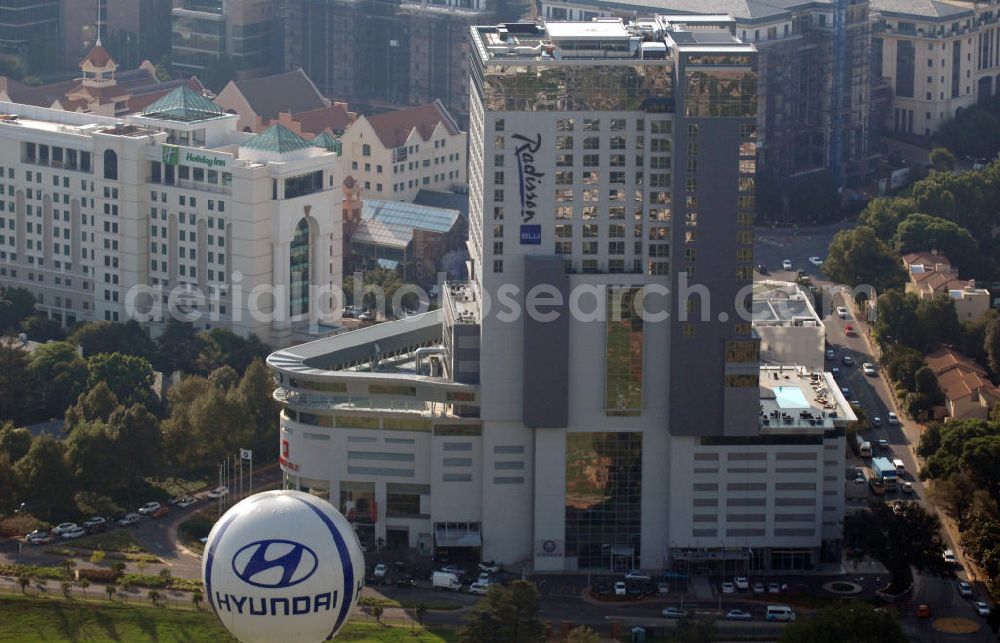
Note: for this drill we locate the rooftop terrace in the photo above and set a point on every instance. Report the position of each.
(793, 398)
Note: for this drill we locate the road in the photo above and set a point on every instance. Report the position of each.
(941, 594)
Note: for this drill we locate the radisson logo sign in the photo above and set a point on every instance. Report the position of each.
(529, 178)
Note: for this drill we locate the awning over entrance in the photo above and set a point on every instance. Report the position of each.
(450, 536)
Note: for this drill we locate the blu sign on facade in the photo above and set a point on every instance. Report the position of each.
(529, 180)
(283, 566)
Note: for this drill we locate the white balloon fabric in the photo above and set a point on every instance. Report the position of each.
(283, 566)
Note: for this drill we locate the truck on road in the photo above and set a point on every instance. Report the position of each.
(885, 471)
(864, 446)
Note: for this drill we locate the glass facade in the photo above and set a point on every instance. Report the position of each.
(718, 93)
(298, 270)
(603, 499)
(623, 368)
(906, 66)
(628, 87)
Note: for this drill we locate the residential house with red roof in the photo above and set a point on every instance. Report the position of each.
(968, 393)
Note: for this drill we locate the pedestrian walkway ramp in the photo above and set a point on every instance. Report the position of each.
(701, 587)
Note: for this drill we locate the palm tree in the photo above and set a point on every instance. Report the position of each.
(377, 613)
(111, 590)
(196, 598)
(23, 581)
(84, 584)
(66, 585)
(154, 597)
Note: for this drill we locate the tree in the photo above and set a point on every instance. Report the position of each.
(97, 557)
(154, 597)
(898, 536)
(954, 496)
(377, 612)
(45, 476)
(974, 132)
(197, 597)
(66, 585)
(94, 458)
(920, 232)
(856, 621)
(693, 629)
(224, 377)
(14, 443)
(139, 444)
(129, 377)
(109, 337)
(981, 457)
(16, 305)
(179, 345)
(901, 364)
(84, 584)
(942, 160)
(857, 256)
(60, 373)
(40, 328)
(255, 390)
(991, 345)
(895, 322)
(509, 614)
(23, 581)
(883, 215)
(111, 590)
(582, 634)
(927, 384)
(9, 484)
(97, 404)
(205, 423)
(17, 391)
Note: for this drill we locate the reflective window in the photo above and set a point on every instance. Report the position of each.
(718, 93)
(603, 499)
(299, 270)
(623, 370)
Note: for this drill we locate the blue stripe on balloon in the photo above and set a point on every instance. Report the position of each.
(210, 558)
(345, 561)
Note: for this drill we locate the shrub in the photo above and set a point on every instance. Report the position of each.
(18, 526)
(99, 575)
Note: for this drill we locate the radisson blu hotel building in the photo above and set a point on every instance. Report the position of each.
(593, 395)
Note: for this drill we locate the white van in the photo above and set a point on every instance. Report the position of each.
(779, 613)
(900, 466)
(446, 580)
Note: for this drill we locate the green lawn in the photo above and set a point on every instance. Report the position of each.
(117, 540)
(25, 619)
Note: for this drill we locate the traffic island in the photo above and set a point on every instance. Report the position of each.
(955, 625)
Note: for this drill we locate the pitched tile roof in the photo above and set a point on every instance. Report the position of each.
(334, 118)
(925, 259)
(921, 8)
(98, 57)
(960, 376)
(946, 359)
(277, 138)
(289, 92)
(393, 128)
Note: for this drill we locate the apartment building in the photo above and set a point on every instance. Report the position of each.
(384, 54)
(29, 30)
(394, 155)
(610, 161)
(133, 29)
(245, 32)
(790, 330)
(171, 208)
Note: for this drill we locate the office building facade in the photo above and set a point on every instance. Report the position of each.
(173, 205)
(247, 33)
(563, 407)
(29, 30)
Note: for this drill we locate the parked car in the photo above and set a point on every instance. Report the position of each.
(635, 574)
(479, 589)
(949, 557)
(831, 354)
(849, 330)
(883, 444)
(673, 612)
(758, 588)
(728, 588)
(161, 512)
(96, 523)
(847, 360)
(964, 589)
(739, 615)
(907, 487)
(786, 264)
(620, 588)
(893, 419)
(842, 312)
(348, 312)
(380, 570)
(454, 569)
(366, 317)
(405, 581)
(816, 261)
(835, 371)
(63, 527)
(762, 269)
(38, 537)
(742, 583)
(129, 519)
(869, 369)
(148, 508)
(218, 492)
(662, 588)
(71, 534)
(187, 501)
(489, 566)
(876, 421)
(773, 588)
(846, 390)
(983, 609)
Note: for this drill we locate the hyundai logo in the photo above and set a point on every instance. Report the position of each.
(274, 563)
